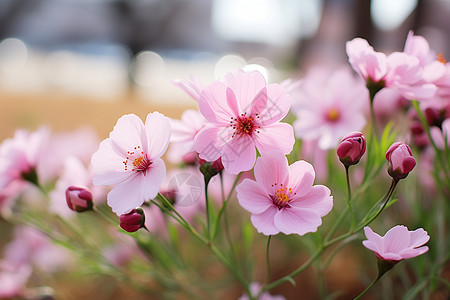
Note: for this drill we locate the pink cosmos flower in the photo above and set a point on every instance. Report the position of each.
(328, 106)
(183, 134)
(397, 244)
(351, 148)
(400, 70)
(243, 114)
(13, 280)
(283, 198)
(131, 159)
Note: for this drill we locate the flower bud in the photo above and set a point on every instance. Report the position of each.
(351, 148)
(133, 220)
(78, 199)
(400, 159)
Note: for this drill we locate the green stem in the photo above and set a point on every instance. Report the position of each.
(268, 259)
(349, 196)
(368, 288)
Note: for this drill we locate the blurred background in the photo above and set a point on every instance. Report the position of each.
(67, 63)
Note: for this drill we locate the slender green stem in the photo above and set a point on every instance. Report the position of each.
(208, 211)
(268, 259)
(368, 288)
(349, 196)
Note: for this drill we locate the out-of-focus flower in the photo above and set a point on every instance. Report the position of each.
(328, 106)
(351, 148)
(402, 71)
(132, 221)
(20, 155)
(74, 174)
(31, 247)
(131, 158)
(78, 199)
(243, 114)
(13, 280)
(401, 161)
(255, 287)
(283, 198)
(183, 134)
(192, 87)
(397, 244)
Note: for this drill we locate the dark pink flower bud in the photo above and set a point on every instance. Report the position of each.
(133, 220)
(351, 148)
(400, 159)
(78, 199)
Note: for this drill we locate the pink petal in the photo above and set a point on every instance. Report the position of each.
(272, 104)
(157, 128)
(239, 155)
(391, 256)
(107, 165)
(253, 197)
(192, 87)
(396, 239)
(301, 177)
(271, 168)
(127, 133)
(275, 136)
(232, 102)
(127, 195)
(409, 253)
(246, 85)
(374, 241)
(153, 179)
(318, 200)
(418, 237)
(264, 222)
(213, 104)
(207, 143)
(295, 220)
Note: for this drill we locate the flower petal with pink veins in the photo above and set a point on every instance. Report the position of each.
(396, 239)
(213, 104)
(418, 238)
(157, 128)
(246, 85)
(273, 106)
(239, 155)
(252, 197)
(128, 133)
(295, 220)
(107, 165)
(317, 199)
(275, 136)
(301, 177)
(271, 168)
(264, 222)
(153, 179)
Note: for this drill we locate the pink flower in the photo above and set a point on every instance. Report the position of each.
(400, 159)
(330, 106)
(243, 114)
(283, 198)
(20, 155)
(369, 64)
(131, 158)
(255, 287)
(183, 134)
(351, 148)
(13, 280)
(402, 71)
(397, 244)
